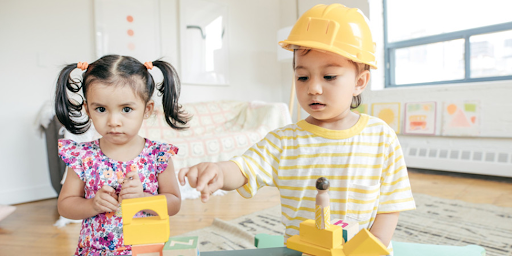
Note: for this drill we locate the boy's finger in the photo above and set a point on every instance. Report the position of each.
(204, 179)
(205, 195)
(214, 186)
(181, 175)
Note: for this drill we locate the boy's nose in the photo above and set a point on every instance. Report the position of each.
(315, 87)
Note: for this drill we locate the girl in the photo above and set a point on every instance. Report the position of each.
(117, 94)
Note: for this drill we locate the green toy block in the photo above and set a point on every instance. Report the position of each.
(268, 241)
(403, 249)
(182, 246)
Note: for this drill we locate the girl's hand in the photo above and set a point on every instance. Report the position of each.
(205, 177)
(105, 200)
(131, 186)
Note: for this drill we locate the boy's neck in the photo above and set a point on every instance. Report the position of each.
(339, 123)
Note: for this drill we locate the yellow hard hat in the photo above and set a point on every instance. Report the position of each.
(334, 28)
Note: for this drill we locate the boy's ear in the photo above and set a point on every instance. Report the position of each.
(361, 82)
(150, 106)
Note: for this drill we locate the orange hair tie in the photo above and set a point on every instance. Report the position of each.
(149, 65)
(82, 65)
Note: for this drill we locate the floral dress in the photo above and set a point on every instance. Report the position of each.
(103, 234)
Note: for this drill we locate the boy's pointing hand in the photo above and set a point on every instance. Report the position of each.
(205, 177)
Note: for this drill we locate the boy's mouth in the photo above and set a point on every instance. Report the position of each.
(316, 106)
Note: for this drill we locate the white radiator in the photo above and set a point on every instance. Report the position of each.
(487, 156)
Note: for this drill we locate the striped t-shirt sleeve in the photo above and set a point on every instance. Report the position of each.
(262, 161)
(395, 194)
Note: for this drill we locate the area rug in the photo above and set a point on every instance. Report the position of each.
(435, 221)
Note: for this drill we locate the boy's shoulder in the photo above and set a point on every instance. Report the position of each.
(376, 124)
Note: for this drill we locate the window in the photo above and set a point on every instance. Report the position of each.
(447, 41)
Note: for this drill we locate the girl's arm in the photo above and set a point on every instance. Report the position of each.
(384, 226)
(73, 205)
(168, 186)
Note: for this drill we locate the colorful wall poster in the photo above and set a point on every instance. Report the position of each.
(461, 118)
(389, 112)
(362, 109)
(420, 118)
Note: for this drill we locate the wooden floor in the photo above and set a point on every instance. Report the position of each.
(30, 231)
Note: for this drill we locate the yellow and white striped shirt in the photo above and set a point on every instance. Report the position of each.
(364, 165)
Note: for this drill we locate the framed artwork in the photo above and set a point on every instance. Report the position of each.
(389, 113)
(461, 118)
(204, 50)
(128, 27)
(420, 118)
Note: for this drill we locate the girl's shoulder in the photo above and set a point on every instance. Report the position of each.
(156, 147)
(67, 144)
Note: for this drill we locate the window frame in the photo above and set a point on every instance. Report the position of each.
(390, 48)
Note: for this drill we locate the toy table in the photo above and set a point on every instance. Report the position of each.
(400, 249)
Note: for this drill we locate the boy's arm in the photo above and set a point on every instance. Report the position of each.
(209, 177)
(72, 204)
(384, 226)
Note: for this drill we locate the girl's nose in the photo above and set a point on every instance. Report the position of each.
(114, 120)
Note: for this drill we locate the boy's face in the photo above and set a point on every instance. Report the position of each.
(326, 83)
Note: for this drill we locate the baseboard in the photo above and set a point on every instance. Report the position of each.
(24, 195)
(484, 156)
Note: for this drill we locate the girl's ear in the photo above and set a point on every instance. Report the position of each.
(150, 106)
(361, 82)
(86, 108)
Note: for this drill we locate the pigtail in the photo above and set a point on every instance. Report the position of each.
(69, 111)
(174, 113)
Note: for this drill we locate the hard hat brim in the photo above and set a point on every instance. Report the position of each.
(292, 45)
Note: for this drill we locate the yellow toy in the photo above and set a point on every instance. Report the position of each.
(148, 230)
(328, 239)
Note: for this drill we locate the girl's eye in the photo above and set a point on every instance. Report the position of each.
(100, 109)
(303, 78)
(127, 109)
(329, 78)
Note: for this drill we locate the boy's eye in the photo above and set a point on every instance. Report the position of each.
(100, 109)
(127, 109)
(329, 78)
(302, 78)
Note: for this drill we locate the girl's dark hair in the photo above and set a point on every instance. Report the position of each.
(360, 67)
(117, 70)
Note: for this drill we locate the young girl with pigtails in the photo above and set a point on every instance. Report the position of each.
(116, 98)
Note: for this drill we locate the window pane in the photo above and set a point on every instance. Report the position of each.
(491, 54)
(431, 62)
(412, 19)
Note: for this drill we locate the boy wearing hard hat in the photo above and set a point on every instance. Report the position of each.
(359, 154)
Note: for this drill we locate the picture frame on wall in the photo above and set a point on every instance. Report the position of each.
(420, 118)
(128, 27)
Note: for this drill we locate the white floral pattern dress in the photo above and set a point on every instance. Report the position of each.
(103, 234)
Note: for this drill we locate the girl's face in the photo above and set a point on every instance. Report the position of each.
(325, 84)
(116, 112)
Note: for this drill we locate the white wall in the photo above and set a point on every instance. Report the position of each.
(39, 37)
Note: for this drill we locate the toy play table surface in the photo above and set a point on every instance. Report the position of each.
(276, 251)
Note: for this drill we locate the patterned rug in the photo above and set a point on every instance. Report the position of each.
(435, 221)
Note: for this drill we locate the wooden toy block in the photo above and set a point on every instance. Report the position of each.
(330, 237)
(182, 246)
(365, 243)
(147, 249)
(147, 230)
(268, 241)
(295, 243)
(350, 228)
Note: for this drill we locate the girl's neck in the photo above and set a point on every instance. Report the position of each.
(124, 152)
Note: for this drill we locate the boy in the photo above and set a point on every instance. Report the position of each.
(359, 154)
